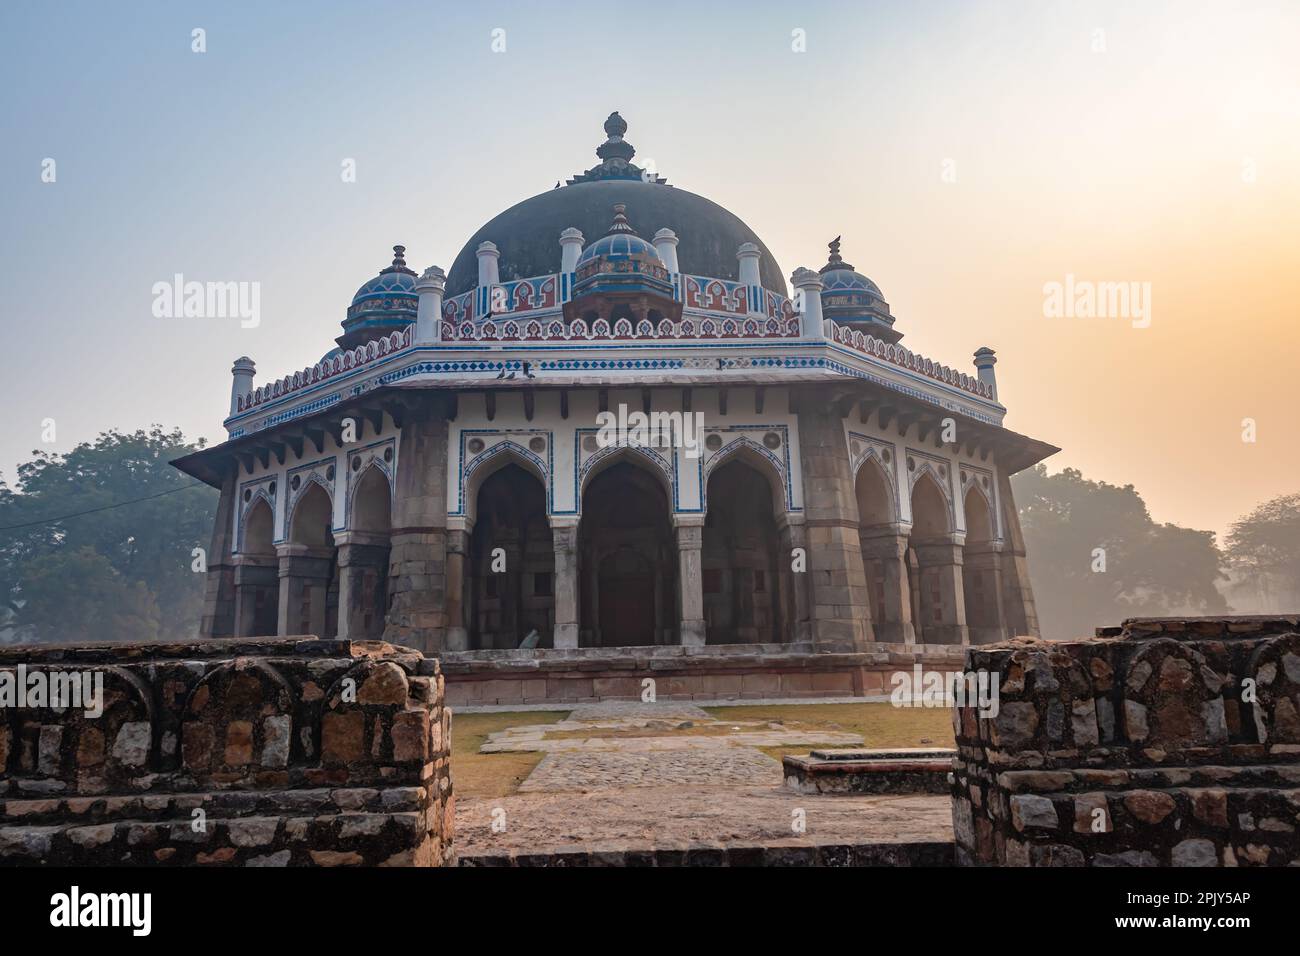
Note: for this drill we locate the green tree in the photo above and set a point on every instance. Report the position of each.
(1074, 528)
(1267, 541)
(97, 543)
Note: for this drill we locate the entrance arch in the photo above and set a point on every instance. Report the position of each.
(884, 555)
(363, 559)
(511, 580)
(938, 604)
(981, 571)
(627, 557)
(309, 576)
(745, 594)
(257, 581)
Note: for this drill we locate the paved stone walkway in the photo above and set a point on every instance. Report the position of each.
(630, 774)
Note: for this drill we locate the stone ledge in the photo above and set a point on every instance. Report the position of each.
(732, 855)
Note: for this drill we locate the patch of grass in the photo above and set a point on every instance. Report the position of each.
(880, 724)
(492, 775)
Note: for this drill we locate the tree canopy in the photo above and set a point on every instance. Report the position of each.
(1267, 541)
(96, 543)
(1142, 568)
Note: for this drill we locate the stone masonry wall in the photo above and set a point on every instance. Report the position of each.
(1166, 742)
(247, 752)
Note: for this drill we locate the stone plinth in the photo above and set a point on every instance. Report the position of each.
(244, 752)
(907, 770)
(1164, 742)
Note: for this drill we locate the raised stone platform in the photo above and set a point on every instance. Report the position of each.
(247, 752)
(1163, 742)
(711, 672)
(908, 770)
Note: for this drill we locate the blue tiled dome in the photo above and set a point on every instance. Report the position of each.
(846, 280)
(619, 246)
(385, 304)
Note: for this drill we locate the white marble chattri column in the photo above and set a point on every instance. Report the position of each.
(665, 243)
(810, 302)
(570, 249)
(428, 317)
(242, 373)
(690, 579)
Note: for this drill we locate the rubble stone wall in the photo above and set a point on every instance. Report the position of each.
(245, 752)
(1164, 742)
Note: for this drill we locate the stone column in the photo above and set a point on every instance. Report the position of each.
(457, 581)
(889, 546)
(690, 579)
(304, 585)
(841, 607)
(990, 626)
(1019, 614)
(565, 538)
(253, 575)
(219, 584)
(940, 561)
(794, 535)
(363, 559)
(417, 567)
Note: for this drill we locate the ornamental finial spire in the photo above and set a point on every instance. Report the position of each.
(833, 261)
(620, 225)
(399, 262)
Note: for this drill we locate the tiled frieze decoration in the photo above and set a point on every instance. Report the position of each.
(255, 752)
(381, 455)
(765, 444)
(1162, 742)
(483, 450)
(555, 329)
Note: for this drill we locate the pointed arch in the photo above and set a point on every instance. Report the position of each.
(980, 526)
(257, 526)
(761, 460)
(311, 516)
(639, 456)
(873, 487)
(931, 507)
(491, 460)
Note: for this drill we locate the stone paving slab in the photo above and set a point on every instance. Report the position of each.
(572, 770)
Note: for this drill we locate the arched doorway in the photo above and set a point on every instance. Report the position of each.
(938, 605)
(363, 560)
(627, 560)
(309, 578)
(743, 588)
(884, 555)
(981, 572)
(511, 574)
(257, 579)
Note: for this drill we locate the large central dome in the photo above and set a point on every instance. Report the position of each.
(528, 234)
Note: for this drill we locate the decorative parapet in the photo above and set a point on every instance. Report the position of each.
(326, 369)
(1167, 742)
(905, 358)
(244, 752)
(602, 330)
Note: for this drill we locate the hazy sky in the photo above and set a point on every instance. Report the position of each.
(968, 152)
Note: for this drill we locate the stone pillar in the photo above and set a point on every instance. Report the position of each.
(1019, 614)
(304, 585)
(254, 575)
(793, 535)
(417, 567)
(363, 560)
(983, 569)
(690, 579)
(940, 562)
(457, 582)
(565, 539)
(841, 607)
(888, 546)
(219, 584)
(985, 359)
(488, 269)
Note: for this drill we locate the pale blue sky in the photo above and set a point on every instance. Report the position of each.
(225, 166)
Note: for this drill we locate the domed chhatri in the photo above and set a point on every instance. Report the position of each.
(851, 299)
(385, 304)
(526, 233)
(621, 242)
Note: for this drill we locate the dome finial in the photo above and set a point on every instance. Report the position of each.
(399, 262)
(620, 225)
(833, 261)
